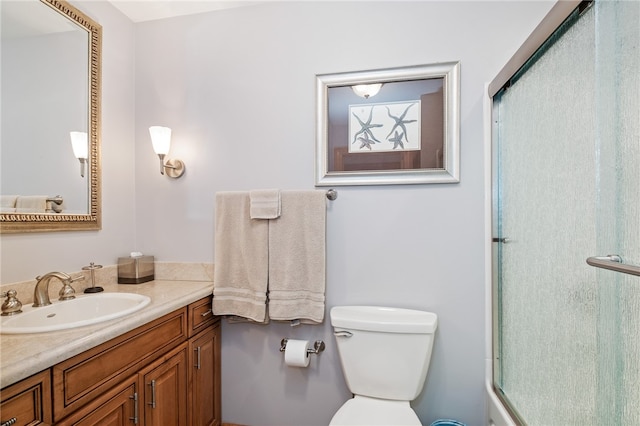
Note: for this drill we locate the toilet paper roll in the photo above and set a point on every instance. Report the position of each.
(295, 354)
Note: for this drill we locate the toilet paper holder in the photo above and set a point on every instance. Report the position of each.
(318, 346)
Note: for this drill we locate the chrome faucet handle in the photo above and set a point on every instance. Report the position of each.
(12, 305)
(77, 278)
(67, 292)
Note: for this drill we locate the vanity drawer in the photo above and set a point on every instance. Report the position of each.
(87, 375)
(200, 315)
(28, 401)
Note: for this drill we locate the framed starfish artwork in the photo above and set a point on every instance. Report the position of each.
(390, 126)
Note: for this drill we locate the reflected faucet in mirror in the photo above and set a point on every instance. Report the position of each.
(41, 292)
(161, 140)
(80, 148)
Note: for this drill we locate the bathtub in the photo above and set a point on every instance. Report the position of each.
(497, 414)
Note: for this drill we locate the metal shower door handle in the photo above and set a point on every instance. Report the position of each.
(613, 262)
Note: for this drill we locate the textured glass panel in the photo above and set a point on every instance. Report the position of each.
(569, 188)
(618, 148)
(547, 157)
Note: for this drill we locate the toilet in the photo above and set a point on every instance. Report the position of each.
(385, 354)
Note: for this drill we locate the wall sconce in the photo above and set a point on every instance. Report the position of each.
(366, 90)
(161, 140)
(80, 148)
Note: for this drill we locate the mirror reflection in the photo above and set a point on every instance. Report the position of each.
(44, 98)
(50, 117)
(401, 117)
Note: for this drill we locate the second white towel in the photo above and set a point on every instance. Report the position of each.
(297, 258)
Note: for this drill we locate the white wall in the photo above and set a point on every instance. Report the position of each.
(237, 87)
(24, 256)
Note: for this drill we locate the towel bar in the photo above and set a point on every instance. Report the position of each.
(57, 199)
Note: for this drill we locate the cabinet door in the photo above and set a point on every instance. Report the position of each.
(205, 378)
(165, 389)
(28, 402)
(118, 407)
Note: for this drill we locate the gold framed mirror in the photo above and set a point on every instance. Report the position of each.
(45, 184)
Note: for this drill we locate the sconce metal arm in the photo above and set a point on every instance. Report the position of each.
(174, 167)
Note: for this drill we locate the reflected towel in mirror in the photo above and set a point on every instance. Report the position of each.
(31, 204)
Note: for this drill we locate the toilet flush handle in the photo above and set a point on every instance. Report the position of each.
(342, 333)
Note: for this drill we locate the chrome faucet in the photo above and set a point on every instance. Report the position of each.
(41, 293)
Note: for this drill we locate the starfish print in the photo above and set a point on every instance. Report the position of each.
(400, 122)
(365, 141)
(397, 140)
(366, 127)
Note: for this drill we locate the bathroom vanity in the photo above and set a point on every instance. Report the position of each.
(161, 366)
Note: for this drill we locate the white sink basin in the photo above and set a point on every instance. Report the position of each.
(85, 309)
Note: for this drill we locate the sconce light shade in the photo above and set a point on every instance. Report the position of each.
(80, 146)
(366, 90)
(161, 140)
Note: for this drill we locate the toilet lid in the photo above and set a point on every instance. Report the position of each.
(362, 410)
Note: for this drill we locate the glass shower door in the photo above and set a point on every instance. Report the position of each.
(567, 137)
(618, 209)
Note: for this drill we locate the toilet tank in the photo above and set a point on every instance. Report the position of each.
(384, 352)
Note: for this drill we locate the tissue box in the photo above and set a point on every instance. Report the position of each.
(135, 270)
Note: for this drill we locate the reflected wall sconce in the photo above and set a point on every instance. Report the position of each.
(366, 90)
(161, 140)
(80, 148)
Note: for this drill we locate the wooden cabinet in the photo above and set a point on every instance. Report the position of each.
(205, 378)
(165, 372)
(117, 407)
(204, 362)
(28, 401)
(200, 316)
(90, 374)
(164, 389)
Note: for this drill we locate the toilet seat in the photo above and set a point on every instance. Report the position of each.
(362, 410)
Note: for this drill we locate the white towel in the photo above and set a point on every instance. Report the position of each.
(265, 204)
(31, 203)
(297, 258)
(241, 259)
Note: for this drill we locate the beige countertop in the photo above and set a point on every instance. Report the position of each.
(22, 355)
